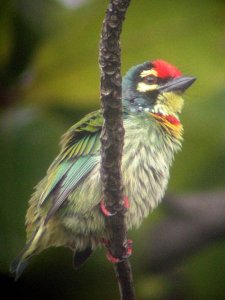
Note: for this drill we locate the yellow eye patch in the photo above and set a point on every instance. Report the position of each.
(144, 87)
(148, 72)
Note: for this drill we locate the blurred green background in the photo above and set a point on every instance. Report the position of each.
(49, 78)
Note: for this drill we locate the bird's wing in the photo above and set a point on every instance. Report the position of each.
(79, 154)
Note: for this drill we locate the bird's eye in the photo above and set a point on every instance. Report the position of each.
(150, 79)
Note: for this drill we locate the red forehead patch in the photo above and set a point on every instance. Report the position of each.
(164, 69)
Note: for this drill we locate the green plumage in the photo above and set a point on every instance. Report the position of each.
(64, 209)
(79, 154)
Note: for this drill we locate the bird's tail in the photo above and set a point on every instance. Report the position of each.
(19, 264)
(31, 248)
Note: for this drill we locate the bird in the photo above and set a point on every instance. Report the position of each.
(66, 208)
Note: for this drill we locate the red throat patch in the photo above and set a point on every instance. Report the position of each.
(170, 124)
(173, 120)
(165, 70)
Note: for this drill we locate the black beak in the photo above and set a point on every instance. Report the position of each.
(177, 84)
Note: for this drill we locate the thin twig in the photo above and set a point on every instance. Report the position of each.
(112, 139)
(125, 280)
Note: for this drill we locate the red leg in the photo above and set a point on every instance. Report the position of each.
(104, 210)
(107, 213)
(129, 248)
(127, 254)
(112, 259)
(126, 202)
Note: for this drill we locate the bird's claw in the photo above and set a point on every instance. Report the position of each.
(126, 202)
(116, 260)
(108, 213)
(105, 211)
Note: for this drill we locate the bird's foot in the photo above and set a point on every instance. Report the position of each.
(105, 211)
(108, 213)
(126, 202)
(116, 260)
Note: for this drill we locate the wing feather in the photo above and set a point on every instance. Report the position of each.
(79, 154)
(75, 174)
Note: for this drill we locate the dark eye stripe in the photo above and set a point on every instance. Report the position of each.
(150, 79)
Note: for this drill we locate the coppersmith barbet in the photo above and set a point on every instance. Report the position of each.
(66, 208)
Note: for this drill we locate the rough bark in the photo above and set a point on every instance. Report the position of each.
(112, 139)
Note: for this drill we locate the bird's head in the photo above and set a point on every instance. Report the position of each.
(155, 87)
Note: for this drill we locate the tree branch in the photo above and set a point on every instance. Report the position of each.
(112, 139)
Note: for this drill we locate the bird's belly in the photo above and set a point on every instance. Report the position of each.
(145, 175)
